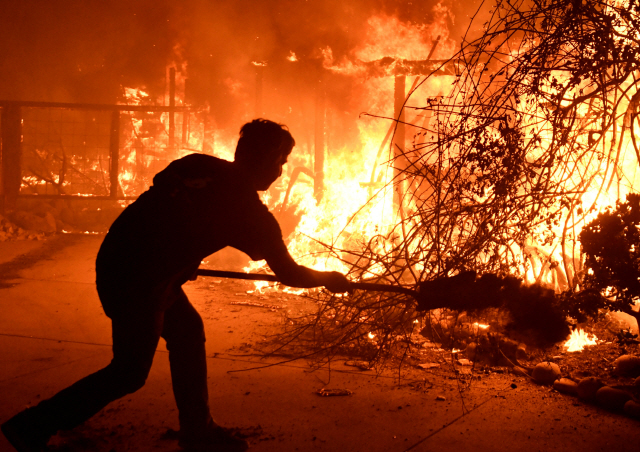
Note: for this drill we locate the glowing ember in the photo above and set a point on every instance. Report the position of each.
(259, 285)
(371, 335)
(579, 340)
(292, 56)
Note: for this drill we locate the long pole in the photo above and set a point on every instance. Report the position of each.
(172, 104)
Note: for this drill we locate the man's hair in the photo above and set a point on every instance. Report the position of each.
(263, 141)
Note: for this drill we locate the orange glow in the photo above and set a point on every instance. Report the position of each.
(579, 340)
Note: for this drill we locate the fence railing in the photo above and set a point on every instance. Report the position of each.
(83, 151)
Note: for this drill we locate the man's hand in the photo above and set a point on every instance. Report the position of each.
(336, 282)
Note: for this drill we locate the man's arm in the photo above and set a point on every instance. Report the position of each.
(292, 274)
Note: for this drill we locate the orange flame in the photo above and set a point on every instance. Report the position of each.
(578, 340)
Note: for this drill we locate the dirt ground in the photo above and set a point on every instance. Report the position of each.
(53, 332)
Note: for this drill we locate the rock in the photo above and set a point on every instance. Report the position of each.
(627, 366)
(566, 386)
(464, 362)
(32, 222)
(362, 365)
(632, 409)
(545, 373)
(441, 398)
(612, 398)
(50, 220)
(587, 387)
(428, 365)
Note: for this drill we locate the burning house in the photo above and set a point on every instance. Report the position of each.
(471, 169)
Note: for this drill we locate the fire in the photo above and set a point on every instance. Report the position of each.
(259, 285)
(480, 326)
(579, 340)
(357, 203)
(387, 36)
(292, 56)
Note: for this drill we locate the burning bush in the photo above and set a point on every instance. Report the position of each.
(611, 244)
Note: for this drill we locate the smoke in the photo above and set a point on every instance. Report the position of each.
(79, 51)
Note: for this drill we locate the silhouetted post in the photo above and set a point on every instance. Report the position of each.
(186, 117)
(11, 152)
(318, 167)
(114, 153)
(172, 104)
(398, 140)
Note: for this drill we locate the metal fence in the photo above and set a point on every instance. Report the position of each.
(86, 151)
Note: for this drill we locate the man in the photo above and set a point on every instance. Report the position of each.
(197, 205)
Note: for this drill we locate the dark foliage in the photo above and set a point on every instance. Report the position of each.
(611, 245)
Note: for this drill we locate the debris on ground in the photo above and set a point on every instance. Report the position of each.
(10, 231)
(428, 365)
(324, 392)
(362, 365)
(257, 304)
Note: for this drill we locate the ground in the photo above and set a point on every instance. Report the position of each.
(53, 332)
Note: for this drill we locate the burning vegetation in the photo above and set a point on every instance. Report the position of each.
(494, 157)
(536, 131)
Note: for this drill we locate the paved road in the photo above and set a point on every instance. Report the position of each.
(53, 332)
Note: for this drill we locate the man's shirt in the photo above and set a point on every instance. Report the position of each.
(198, 205)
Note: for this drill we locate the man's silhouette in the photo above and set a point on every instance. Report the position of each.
(198, 205)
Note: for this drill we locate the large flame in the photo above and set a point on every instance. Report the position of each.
(357, 203)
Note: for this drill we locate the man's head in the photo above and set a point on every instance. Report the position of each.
(262, 150)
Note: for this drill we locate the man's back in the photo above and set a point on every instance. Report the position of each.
(197, 205)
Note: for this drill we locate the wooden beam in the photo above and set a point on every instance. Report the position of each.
(114, 153)
(11, 154)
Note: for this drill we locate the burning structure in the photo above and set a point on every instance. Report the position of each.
(491, 156)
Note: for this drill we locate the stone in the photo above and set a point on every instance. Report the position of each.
(627, 366)
(545, 373)
(611, 398)
(428, 365)
(566, 386)
(632, 409)
(32, 222)
(50, 221)
(587, 387)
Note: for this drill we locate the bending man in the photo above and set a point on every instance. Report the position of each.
(198, 205)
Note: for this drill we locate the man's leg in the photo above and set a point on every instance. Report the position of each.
(184, 332)
(135, 338)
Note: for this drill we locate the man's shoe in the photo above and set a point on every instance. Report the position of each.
(215, 439)
(22, 435)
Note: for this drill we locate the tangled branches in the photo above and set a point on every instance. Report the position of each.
(540, 124)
